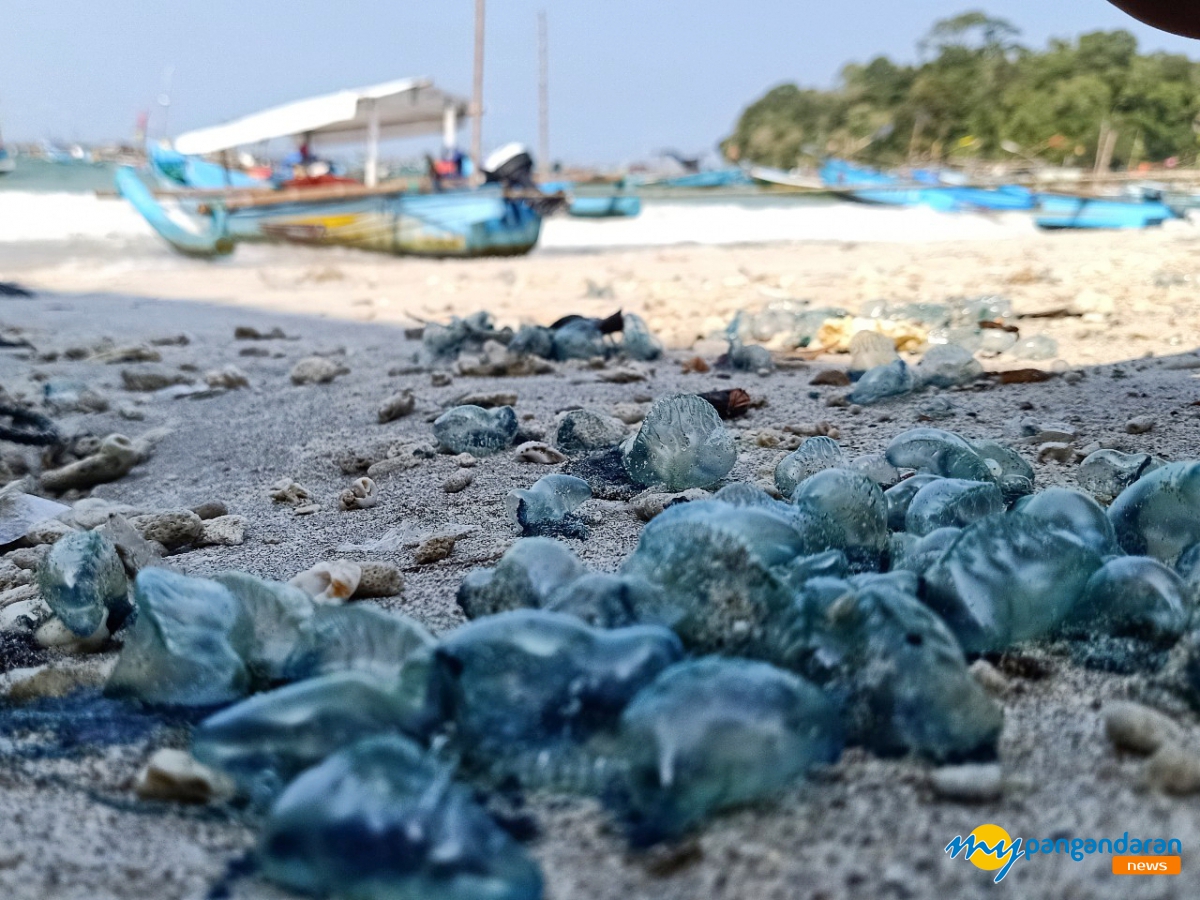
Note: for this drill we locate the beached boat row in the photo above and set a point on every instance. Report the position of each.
(1051, 210)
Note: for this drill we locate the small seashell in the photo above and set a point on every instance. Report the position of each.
(329, 582)
(360, 495)
(174, 775)
(540, 453)
(729, 404)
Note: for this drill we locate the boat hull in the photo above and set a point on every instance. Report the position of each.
(1058, 212)
(604, 207)
(452, 224)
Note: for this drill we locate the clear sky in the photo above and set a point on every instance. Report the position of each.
(627, 77)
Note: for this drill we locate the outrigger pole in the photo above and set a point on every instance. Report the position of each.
(477, 96)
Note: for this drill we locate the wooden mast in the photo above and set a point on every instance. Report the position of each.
(543, 95)
(477, 96)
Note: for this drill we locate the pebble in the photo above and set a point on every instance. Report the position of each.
(171, 528)
(487, 400)
(1173, 770)
(397, 406)
(46, 533)
(174, 775)
(23, 614)
(651, 503)
(820, 428)
(231, 378)
(626, 374)
(466, 461)
(1140, 425)
(211, 509)
(458, 481)
(250, 333)
(440, 379)
(1137, 728)
(307, 509)
(316, 370)
(113, 459)
(831, 377)
(288, 491)
(223, 531)
(57, 680)
(630, 413)
(435, 548)
(969, 783)
(53, 634)
(1058, 451)
(992, 679)
(540, 453)
(26, 557)
(378, 579)
(151, 378)
(391, 465)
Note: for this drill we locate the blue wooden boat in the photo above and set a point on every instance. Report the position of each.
(868, 185)
(713, 178)
(1062, 211)
(617, 205)
(594, 206)
(467, 223)
(177, 170)
(209, 209)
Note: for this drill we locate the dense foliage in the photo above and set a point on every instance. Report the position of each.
(976, 92)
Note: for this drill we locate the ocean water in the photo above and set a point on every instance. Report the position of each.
(50, 211)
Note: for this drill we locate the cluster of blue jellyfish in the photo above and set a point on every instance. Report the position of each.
(746, 640)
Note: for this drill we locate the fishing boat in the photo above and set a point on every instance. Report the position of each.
(922, 188)
(779, 179)
(1063, 211)
(595, 206)
(211, 209)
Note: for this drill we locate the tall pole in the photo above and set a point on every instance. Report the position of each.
(477, 94)
(543, 95)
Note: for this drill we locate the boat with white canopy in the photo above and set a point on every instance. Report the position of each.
(213, 207)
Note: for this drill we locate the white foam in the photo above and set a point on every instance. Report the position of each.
(29, 216)
(663, 223)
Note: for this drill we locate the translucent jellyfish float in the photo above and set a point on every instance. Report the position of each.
(473, 429)
(382, 820)
(83, 582)
(713, 733)
(187, 645)
(893, 663)
(1007, 578)
(681, 444)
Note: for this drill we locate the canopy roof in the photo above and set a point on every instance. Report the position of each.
(407, 107)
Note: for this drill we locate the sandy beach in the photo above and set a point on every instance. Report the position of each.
(1121, 307)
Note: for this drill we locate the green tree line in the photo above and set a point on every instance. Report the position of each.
(979, 94)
